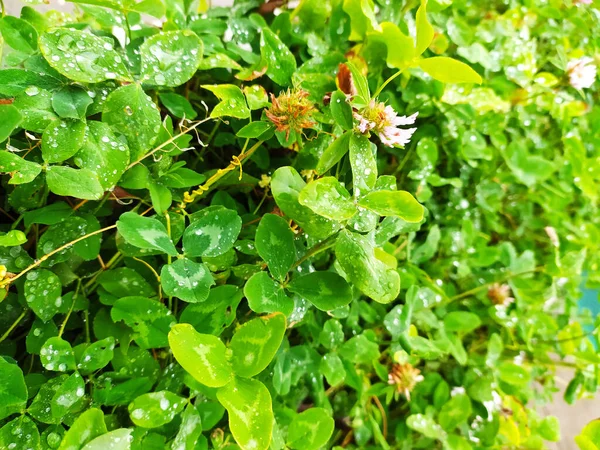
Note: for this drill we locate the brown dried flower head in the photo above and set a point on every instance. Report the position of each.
(500, 294)
(291, 111)
(405, 377)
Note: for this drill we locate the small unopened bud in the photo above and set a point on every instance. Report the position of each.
(265, 181)
(217, 437)
(551, 232)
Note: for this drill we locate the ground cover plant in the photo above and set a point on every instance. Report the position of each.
(340, 224)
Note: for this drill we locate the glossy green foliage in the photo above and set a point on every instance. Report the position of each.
(338, 224)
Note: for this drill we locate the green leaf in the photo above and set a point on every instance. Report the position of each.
(22, 171)
(590, 436)
(16, 81)
(448, 70)
(11, 118)
(514, 374)
(68, 394)
(96, 355)
(255, 343)
(332, 334)
(57, 355)
(67, 181)
(48, 215)
(425, 348)
(549, 429)
(190, 429)
(232, 101)
(248, 404)
(455, 412)
(360, 350)
(19, 34)
(150, 319)
(359, 81)
(275, 244)
(332, 154)
(96, 59)
(62, 139)
(461, 321)
(281, 63)
(356, 255)
(103, 154)
(363, 163)
(21, 432)
(393, 203)
(89, 425)
(178, 105)
(286, 185)
(203, 356)
(131, 111)
(35, 107)
(424, 29)
(145, 233)
(528, 169)
(39, 333)
(119, 439)
(155, 409)
(332, 368)
(13, 391)
(40, 408)
(426, 426)
(154, 8)
(186, 280)
(161, 197)
(182, 178)
(58, 235)
(43, 291)
(400, 47)
(171, 58)
(71, 102)
(328, 198)
(326, 290)
(256, 130)
(216, 313)
(341, 110)
(362, 18)
(257, 97)
(310, 430)
(12, 238)
(266, 295)
(213, 231)
(218, 60)
(429, 248)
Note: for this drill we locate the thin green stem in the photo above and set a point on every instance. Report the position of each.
(317, 248)
(53, 252)
(64, 324)
(386, 82)
(487, 285)
(13, 326)
(167, 142)
(262, 200)
(236, 161)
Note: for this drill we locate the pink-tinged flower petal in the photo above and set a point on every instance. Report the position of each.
(392, 136)
(363, 124)
(403, 120)
(582, 73)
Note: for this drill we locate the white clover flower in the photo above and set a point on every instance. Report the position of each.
(582, 73)
(384, 121)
